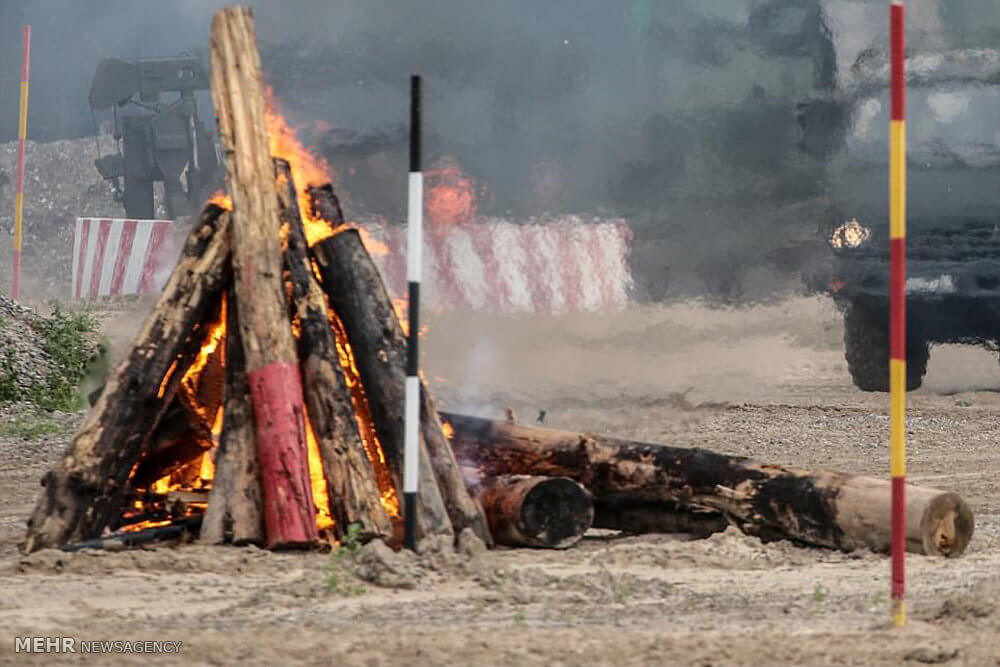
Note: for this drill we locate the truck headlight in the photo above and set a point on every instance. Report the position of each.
(851, 234)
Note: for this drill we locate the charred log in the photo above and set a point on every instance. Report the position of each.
(819, 508)
(355, 290)
(85, 490)
(234, 511)
(350, 479)
(635, 515)
(525, 511)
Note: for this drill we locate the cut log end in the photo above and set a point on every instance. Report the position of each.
(548, 512)
(946, 526)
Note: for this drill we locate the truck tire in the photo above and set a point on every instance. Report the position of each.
(866, 348)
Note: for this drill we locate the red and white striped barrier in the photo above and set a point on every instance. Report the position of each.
(119, 257)
(506, 268)
(490, 266)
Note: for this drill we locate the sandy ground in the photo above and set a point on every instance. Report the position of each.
(768, 382)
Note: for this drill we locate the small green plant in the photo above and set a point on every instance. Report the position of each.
(341, 575)
(9, 389)
(622, 594)
(963, 403)
(352, 540)
(819, 593)
(343, 583)
(65, 340)
(878, 599)
(519, 619)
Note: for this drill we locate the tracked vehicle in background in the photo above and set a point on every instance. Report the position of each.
(164, 141)
(953, 211)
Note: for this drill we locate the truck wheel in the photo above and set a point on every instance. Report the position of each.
(866, 347)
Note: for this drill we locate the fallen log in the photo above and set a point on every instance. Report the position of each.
(180, 528)
(825, 509)
(353, 491)
(271, 361)
(234, 511)
(357, 294)
(525, 511)
(637, 516)
(84, 492)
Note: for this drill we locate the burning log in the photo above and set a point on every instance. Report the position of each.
(354, 494)
(271, 360)
(84, 491)
(819, 508)
(234, 506)
(524, 511)
(357, 294)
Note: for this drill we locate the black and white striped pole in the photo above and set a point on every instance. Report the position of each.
(414, 249)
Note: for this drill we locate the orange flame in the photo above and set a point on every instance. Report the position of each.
(321, 497)
(215, 340)
(222, 200)
(308, 169)
(363, 416)
(451, 196)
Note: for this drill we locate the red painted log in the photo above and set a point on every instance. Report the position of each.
(271, 360)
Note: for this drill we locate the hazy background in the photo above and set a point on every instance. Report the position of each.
(683, 116)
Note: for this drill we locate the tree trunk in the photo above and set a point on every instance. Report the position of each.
(819, 508)
(350, 478)
(525, 511)
(354, 286)
(272, 366)
(84, 491)
(234, 506)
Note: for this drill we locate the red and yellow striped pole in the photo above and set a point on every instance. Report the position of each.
(897, 309)
(22, 134)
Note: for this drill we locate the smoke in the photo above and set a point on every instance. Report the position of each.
(683, 116)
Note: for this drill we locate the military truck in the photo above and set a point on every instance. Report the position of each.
(953, 210)
(156, 140)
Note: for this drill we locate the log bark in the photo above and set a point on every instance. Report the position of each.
(271, 361)
(355, 289)
(631, 514)
(353, 491)
(819, 508)
(84, 491)
(526, 511)
(234, 511)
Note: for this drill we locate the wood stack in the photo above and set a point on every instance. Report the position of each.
(308, 356)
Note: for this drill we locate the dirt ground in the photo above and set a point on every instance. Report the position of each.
(767, 382)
